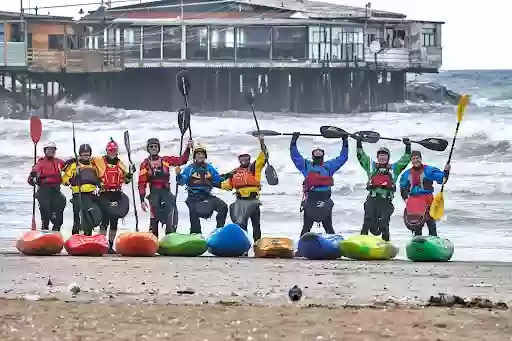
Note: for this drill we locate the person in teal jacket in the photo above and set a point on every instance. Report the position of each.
(318, 180)
(200, 177)
(381, 186)
(418, 182)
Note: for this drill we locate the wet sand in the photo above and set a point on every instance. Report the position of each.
(209, 298)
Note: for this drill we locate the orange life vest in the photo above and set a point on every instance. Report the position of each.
(113, 177)
(244, 178)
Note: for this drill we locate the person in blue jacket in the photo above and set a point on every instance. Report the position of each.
(318, 180)
(418, 182)
(200, 177)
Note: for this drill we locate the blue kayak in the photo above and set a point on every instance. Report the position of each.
(317, 246)
(228, 241)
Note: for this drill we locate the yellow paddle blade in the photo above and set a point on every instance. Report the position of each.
(461, 107)
(437, 207)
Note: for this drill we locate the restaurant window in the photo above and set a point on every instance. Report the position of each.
(428, 37)
(55, 42)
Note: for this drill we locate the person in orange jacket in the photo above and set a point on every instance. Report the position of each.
(47, 175)
(113, 175)
(155, 172)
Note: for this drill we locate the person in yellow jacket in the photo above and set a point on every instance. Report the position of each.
(113, 175)
(246, 181)
(83, 177)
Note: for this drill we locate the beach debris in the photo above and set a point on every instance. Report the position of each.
(74, 288)
(443, 300)
(186, 292)
(295, 293)
(49, 283)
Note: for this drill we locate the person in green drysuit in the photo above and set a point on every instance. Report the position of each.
(381, 186)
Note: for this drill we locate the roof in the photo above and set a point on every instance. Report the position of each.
(310, 9)
(16, 15)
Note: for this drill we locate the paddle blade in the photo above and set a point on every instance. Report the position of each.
(332, 132)
(184, 120)
(183, 82)
(271, 175)
(437, 207)
(36, 129)
(438, 145)
(257, 133)
(368, 136)
(250, 96)
(127, 144)
(461, 107)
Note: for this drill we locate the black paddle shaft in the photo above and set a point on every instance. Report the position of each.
(129, 152)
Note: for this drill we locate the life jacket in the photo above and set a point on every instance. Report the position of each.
(244, 177)
(85, 175)
(49, 171)
(113, 178)
(382, 178)
(417, 179)
(200, 177)
(158, 171)
(316, 179)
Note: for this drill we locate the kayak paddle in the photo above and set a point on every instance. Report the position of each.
(270, 172)
(183, 84)
(437, 207)
(128, 147)
(432, 143)
(36, 130)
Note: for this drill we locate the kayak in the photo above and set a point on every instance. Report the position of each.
(367, 248)
(429, 249)
(182, 245)
(317, 246)
(136, 244)
(82, 245)
(274, 247)
(40, 243)
(229, 241)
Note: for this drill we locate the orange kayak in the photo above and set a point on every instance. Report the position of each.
(40, 243)
(136, 244)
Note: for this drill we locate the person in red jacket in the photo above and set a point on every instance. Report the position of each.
(46, 174)
(155, 172)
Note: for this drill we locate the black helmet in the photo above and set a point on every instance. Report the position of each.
(151, 141)
(383, 150)
(85, 148)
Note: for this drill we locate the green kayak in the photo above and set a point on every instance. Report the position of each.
(184, 245)
(429, 249)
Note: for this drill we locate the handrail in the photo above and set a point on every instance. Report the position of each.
(76, 60)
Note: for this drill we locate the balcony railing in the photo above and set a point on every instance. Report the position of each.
(74, 60)
(13, 54)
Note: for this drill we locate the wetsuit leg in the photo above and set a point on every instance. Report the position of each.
(369, 219)
(76, 215)
(112, 233)
(418, 231)
(222, 210)
(386, 211)
(44, 199)
(256, 224)
(327, 224)
(432, 227)
(195, 223)
(307, 224)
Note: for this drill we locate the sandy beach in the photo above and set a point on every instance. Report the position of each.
(208, 298)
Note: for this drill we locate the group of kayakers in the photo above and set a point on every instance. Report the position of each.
(98, 200)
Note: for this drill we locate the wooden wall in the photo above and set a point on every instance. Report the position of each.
(41, 31)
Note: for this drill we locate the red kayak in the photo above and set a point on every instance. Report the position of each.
(82, 245)
(40, 243)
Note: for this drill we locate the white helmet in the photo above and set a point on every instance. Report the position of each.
(49, 144)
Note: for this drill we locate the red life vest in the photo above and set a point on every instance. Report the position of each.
(113, 178)
(417, 179)
(158, 173)
(49, 171)
(382, 178)
(315, 179)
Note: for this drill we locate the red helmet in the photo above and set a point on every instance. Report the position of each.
(111, 147)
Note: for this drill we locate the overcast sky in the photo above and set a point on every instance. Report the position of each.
(474, 36)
